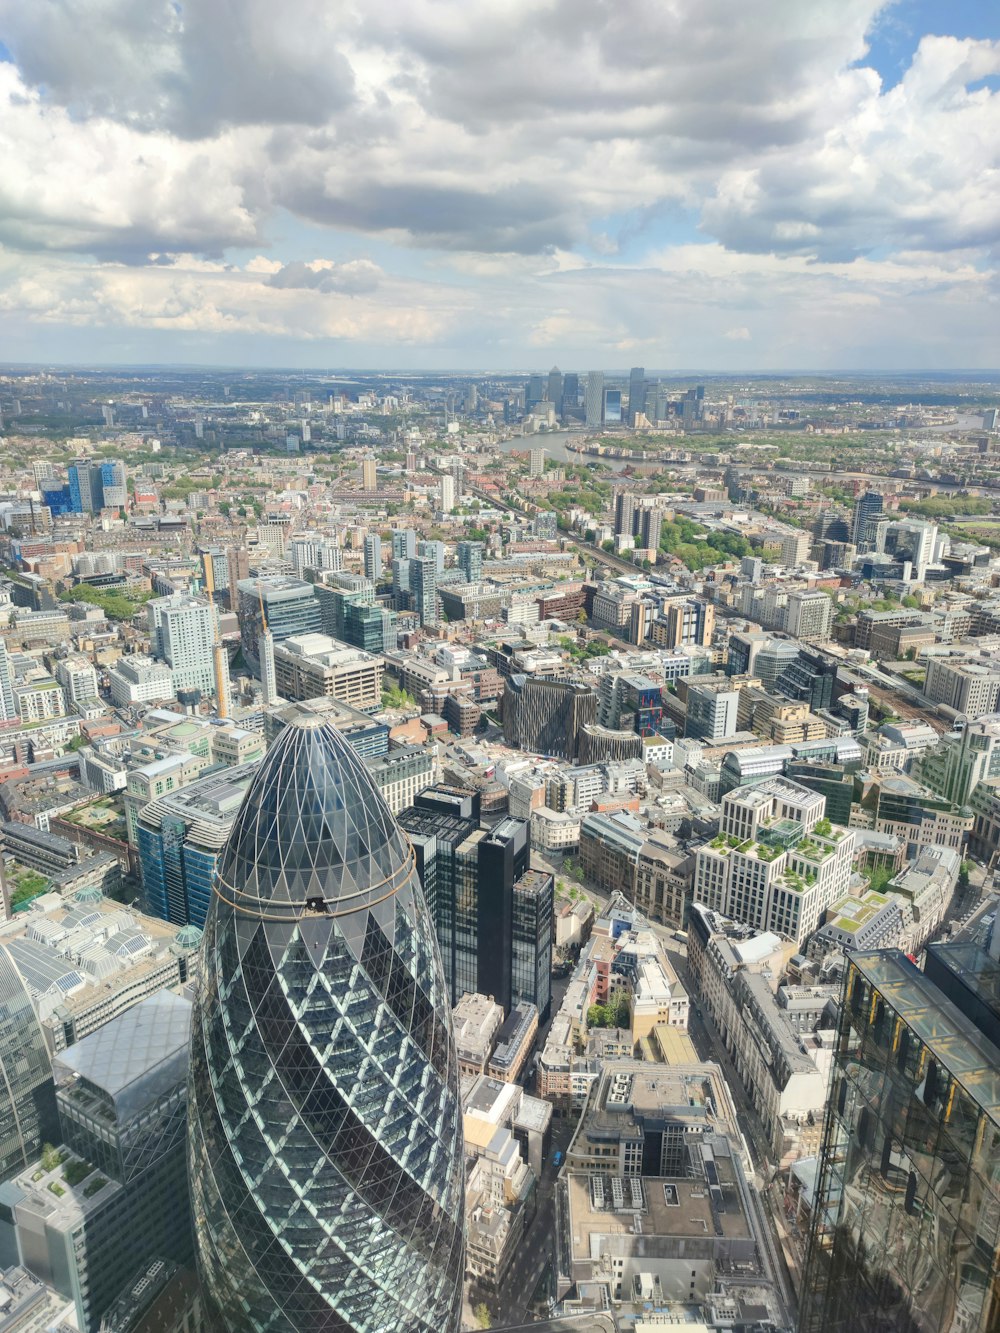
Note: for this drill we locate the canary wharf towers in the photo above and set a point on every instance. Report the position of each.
(325, 1126)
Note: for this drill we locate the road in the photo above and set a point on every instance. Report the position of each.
(509, 1307)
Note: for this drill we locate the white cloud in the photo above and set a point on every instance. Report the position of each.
(511, 141)
(691, 311)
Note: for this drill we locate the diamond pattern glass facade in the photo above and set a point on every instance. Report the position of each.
(325, 1127)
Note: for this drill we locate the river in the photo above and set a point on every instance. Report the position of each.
(554, 443)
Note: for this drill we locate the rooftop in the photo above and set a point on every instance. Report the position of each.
(151, 1036)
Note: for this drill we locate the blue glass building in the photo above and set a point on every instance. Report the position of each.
(181, 837)
(325, 1129)
(56, 496)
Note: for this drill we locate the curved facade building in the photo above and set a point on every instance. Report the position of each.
(325, 1125)
(27, 1092)
(604, 745)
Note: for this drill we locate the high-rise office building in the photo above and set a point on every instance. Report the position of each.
(423, 588)
(612, 407)
(404, 543)
(531, 940)
(180, 837)
(636, 393)
(594, 401)
(114, 484)
(470, 560)
(492, 913)
(325, 1130)
(182, 632)
(27, 1094)
(287, 606)
(8, 704)
(373, 557)
(905, 1230)
(554, 389)
(121, 1095)
(571, 393)
(711, 711)
(865, 507)
(534, 392)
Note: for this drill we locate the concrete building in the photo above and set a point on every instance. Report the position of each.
(182, 632)
(476, 1019)
(78, 678)
(809, 615)
(970, 686)
(309, 666)
(661, 1226)
(795, 548)
(735, 974)
(139, 680)
(712, 710)
(403, 773)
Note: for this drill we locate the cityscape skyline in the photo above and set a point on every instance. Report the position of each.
(436, 846)
(807, 189)
(499, 666)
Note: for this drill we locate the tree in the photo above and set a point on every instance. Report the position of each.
(482, 1316)
(963, 877)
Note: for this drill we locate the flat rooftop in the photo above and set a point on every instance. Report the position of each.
(676, 1209)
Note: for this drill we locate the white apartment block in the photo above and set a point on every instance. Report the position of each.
(770, 867)
(39, 700)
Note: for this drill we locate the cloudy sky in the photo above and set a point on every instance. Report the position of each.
(714, 184)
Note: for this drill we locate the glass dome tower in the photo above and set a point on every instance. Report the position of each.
(325, 1128)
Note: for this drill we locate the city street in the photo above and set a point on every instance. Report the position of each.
(537, 1249)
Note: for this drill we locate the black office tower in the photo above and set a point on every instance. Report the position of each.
(492, 913)
(503, 858)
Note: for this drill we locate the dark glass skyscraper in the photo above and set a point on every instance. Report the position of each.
(493, 914)
(325, 1127)
(865, 507)
(906, 1218)
(27, 1093)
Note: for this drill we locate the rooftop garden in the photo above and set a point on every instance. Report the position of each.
(811, 850)
(25, 885)
(723, 842)
(794, 881)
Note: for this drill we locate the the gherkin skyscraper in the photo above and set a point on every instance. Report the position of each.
(325, 1125)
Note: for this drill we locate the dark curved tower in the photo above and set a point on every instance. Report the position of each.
(325, 1134)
